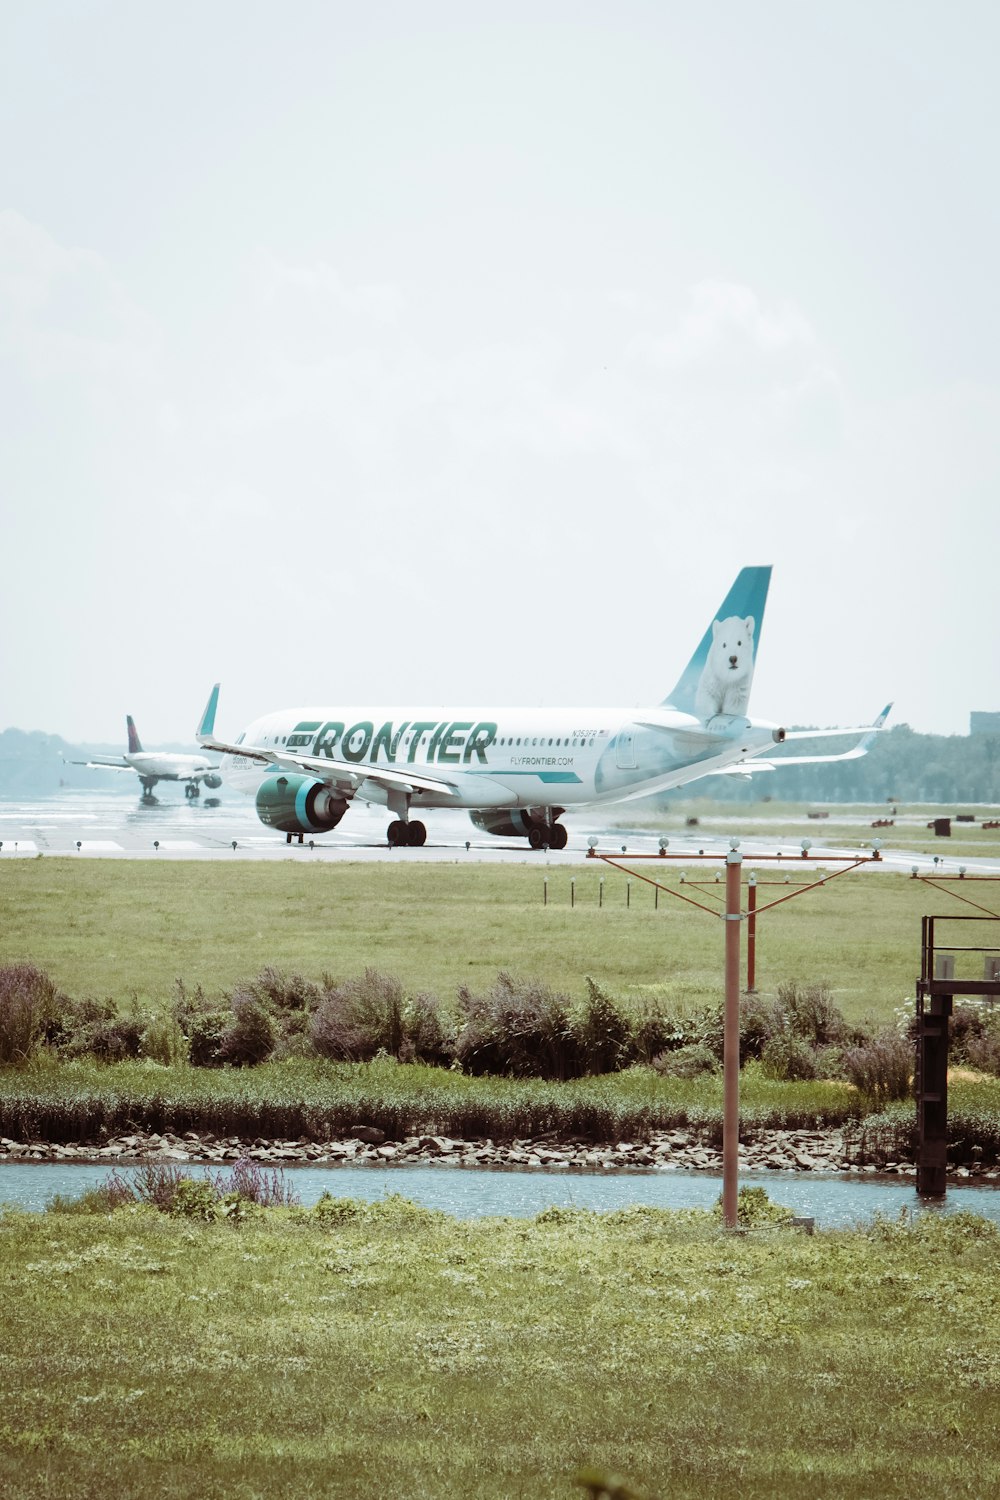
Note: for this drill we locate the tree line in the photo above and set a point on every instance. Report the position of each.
(902, 766)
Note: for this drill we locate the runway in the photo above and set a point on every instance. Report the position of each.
(116, 824)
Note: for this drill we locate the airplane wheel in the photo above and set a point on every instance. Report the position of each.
(560, 836)
(536, 837)
(396, 833)
(416, 834)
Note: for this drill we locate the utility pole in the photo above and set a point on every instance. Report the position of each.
(731, 1042)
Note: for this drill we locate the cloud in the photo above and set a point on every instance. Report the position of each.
(727, 324)
(64, 314)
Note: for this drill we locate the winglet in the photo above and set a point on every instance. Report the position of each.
(206, 729)
(868, 740)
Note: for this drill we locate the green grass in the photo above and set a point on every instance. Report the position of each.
(77, 1101)
(123, 928)
(386, 1350)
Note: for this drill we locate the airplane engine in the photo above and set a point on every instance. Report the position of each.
(298, 804)
(213, 782)
(505, 822)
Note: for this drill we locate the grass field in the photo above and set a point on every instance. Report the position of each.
(122, 929)
(385, 1350)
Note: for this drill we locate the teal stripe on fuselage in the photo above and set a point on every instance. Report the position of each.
(558, 777)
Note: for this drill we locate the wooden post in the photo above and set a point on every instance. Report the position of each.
(752, 935)
(931, 1084)
(731, 1044)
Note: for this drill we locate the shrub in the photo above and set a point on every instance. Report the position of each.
(829, 1062)
(284, 992)
(652, 1033)
(974, 1036)
(687, 1062)
(983, 1053)
(205, 1037)
(171, 1190)
(110, 1041)
(787, 1059)
(701, 1025)
(96, 1028)
(707, 1026)
(519, 1029)
(880, 1069)
(295, 1045)
(254, 1184)
(755, 1209)
(758, 1021)
(267, 1016)
(28, 1009)
(358, 1018)
(190, 1005)
(164, 1042)
(812, 1014)
(603, 1033)
(250, 1036)
(429, 1037)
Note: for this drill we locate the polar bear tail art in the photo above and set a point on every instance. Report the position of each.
(718, 678)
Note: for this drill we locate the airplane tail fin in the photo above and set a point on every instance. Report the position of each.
(205, 732)
(718, 677)
(134, 742)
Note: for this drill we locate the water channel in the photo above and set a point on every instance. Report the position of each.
(834, 1200)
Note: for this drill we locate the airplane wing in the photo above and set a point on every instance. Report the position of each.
(101, 763)
(347, 776)
(866, 731)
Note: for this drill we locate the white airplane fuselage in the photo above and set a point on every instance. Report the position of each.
(512, 757)
(168, 766)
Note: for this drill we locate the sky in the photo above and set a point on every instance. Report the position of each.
(462, 353)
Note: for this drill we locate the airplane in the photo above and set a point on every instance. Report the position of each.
(517, 770)
(152, 766)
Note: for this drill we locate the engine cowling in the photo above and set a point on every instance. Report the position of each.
(213, 782)
(298, 804)
(511, 822)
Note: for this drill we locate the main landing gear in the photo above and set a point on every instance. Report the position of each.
(192, 789)
(413, 834)
(553, 836)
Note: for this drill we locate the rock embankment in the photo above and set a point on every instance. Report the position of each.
(366, 1145)
(676, 1150)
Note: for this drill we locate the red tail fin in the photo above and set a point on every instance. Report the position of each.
(134, 743)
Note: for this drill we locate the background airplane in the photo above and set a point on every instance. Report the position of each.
(152, 766)
(516, 770)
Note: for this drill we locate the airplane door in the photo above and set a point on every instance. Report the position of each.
(625, 748)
